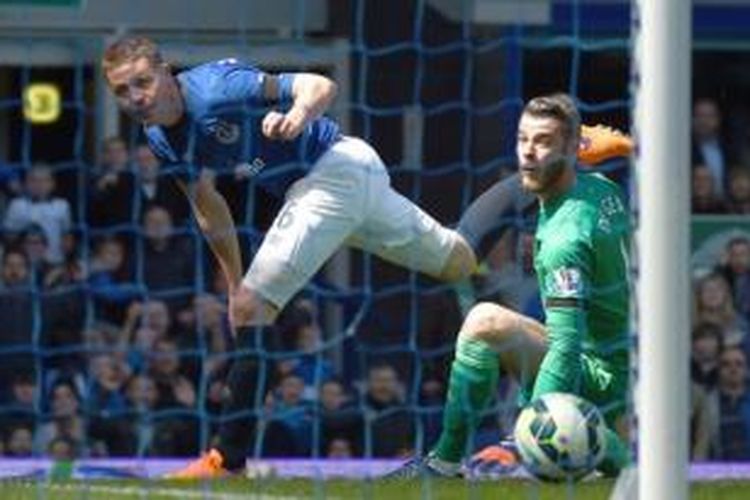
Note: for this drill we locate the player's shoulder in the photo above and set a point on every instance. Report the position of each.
(218, 81)
(604, 209)
(596, 192)
(219, 67)
(582, 212)
(213, 75)
(596, 185)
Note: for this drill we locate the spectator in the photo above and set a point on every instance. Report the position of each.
(72, 269)
(145, 324)
(307, 361)
(107, 380)
(340, 419)
(111, 190)
(289, 417)
(107, 404)
(706, 198)
(733, 400)
(340, 448)
(158, 190)
(431, 401)
(64, 418)
(20, 442)
(39, 206)
(10, 184)
(62, 448)
(16, 272)
(62, 310)
(143, 399)
(704, 423)
(17, 306)
(110, 279)
(103, 337)
(739, 191)
(168, 259)
(34, 244)
(707, 344)
(709, 147)
(392, 425)
(175, 392)
(209, 327)
(714, 304)
(736, 270)
(20, 407)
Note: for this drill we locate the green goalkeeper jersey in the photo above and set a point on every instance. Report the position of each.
(581, 261)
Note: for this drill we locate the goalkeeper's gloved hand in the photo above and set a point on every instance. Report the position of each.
(600, 143)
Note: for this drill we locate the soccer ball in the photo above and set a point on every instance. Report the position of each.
(560, 437)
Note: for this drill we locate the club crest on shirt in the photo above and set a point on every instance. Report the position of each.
(567, 282)
(225, 132)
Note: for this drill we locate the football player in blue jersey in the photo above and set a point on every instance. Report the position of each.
(227, 114)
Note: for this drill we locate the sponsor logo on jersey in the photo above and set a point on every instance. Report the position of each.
(226, 132)
(567, 282)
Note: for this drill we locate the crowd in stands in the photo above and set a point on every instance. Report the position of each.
(720, 418)
(114, 339)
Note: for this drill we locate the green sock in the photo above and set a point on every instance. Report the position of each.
(616, 454)
(473, 381)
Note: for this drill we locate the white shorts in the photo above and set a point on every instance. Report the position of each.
(345, 199)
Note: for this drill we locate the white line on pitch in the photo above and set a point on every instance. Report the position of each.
(160, 491)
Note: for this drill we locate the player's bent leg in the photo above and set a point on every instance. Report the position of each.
(518, 340)
(487, 331)
(399, 231)
(490, 333)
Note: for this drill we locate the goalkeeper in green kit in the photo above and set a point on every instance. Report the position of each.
(581, 262)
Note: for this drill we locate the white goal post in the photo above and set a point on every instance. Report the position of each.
(661, 82)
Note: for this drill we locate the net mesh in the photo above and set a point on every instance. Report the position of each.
(116, 344)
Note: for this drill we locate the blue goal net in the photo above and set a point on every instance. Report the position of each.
(115, 343)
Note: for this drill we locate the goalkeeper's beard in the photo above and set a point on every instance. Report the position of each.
(547, 175)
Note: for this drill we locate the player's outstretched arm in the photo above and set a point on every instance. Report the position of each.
(215, 220)
(600, 143)
(311, 96)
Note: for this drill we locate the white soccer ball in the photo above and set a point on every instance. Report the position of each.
(560, 437)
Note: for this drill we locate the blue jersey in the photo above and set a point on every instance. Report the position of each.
(221, 128)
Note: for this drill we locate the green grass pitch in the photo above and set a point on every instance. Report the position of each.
(281, 489)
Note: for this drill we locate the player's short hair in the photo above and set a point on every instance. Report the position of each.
(560, 107)
(130, 48)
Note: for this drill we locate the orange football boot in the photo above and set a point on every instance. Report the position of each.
(496, 454)
(600, 143)
(208, 466)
